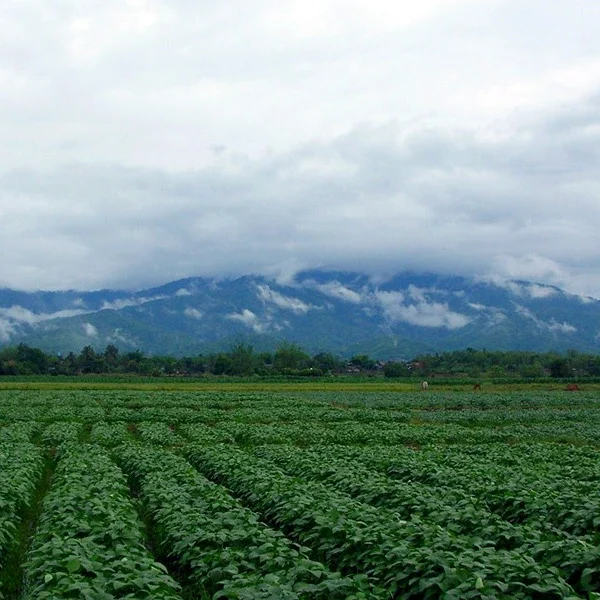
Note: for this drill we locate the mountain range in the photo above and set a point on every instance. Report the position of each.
(340, 312)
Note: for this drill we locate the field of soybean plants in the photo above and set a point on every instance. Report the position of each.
(299, 495)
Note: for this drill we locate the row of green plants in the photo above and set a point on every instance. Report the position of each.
(111, 434)
(19, 431)
(453, 465)
(305, 427)
(59, 432)
(368, 482)
(526, 492)
(409, 559)
(205, 434)
(458, 509)
(353, 433)
(21, 467)
(89, 541)
(157, 432)
(92, 405)
(454, 508)
(220, 547)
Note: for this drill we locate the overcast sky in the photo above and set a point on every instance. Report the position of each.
(148, 140)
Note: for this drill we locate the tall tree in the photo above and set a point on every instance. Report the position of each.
(111, 356)
(243, 360)
(289, 356)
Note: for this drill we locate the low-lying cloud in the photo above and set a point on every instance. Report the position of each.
(415, 210)
(127, 302)
(90, 330)
(295, 305)
(193, 313)
(422, 313)
(254, 322)
(551, 325)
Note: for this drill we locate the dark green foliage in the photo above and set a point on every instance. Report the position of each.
(89, 542)
(408, 558)
(302, 495)
(221, 547)
(560, 368)
(327, 362)
(240, 361)
(243, 360)
(21, 467)
(363, 362)
(290, 357)
(291, 360)
(395, 369)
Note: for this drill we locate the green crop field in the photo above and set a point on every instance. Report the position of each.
(309, 493)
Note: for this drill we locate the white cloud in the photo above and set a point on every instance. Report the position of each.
(193, 313)
(183, 292)
(512, 286)
(7, 329)
(126, 302)
(421, 313)
(432, 315)
(257, 136)
(531, 267)
(334, 18)
(551, 325)
(563, 327)
(118, 336)
(161, 235)
(297, 306)
(389, 301)
(541, 291)
(251, 320)
(533, 290)
(477, 306)
(19, 314)
(334, 289)
(90, 330)
(417, 293)
(493, 315)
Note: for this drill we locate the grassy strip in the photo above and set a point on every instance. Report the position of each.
(374, 385)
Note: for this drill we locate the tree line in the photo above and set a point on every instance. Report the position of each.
(515, 364)
(241, 360)
(291, 360)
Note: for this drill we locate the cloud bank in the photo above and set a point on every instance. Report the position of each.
(398, 205)
(148, 140)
